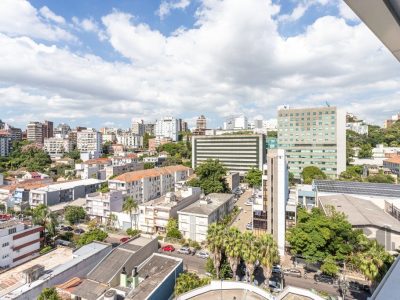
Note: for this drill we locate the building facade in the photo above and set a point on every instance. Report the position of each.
(5, 144)
(130, 140)
(149, 184)
(100, 205)
(238, 153)
(167, 127)
(18, 242)
(89, 140)
(56, 146)
(195, 219)
(313, 137)
(393, 164)
(138, 127)
(34, 132)
(269, 213)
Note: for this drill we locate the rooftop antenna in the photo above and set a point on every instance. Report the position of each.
(327, 104)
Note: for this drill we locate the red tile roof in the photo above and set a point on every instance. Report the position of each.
(137, 175)
(393, 160)
(97, 161)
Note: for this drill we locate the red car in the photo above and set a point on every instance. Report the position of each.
(168, 248)
(124, 240)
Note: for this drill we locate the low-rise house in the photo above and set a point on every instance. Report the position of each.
(63, 192)
(393, 164)
(99, 205)
(154, 214)
(156, 160)
(149, 184)
(19, 242)
(195, 219)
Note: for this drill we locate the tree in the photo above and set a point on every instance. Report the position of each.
(253, 177)
(233, 247)
(215, 243)
(292, 180)
(172, 229)
(49, 294)
(329, 266)
(129, 206)
(211, 177)
(310, 173)
(42, 216)
(74, 154)
(29, 155)
(380, 178)
(74, 214)
(104, 188)
(250, 252)
(352, 173)
(149, 165)
(146, 138)
(92, 235)
(132, 232)
(365, 151)
(187, 281)
(268, 252)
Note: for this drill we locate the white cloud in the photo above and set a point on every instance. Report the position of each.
(346, 12)
(89, 25)
(19, 17)
(167, 6)
(233, 61)
(48, 14)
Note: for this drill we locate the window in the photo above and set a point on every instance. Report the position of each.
(5, 256)
(5, 244)
(12, 230)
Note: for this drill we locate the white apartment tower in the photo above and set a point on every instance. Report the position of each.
(138, 127)
(167, 127)
(89, 140)
(34, 132)
(313, 137)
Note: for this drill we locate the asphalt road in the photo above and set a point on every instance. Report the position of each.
(191, 263)
(245, 216)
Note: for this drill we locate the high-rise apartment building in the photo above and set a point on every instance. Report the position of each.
(313, 137)
(34, 132)
(5, 143)
(57, 146)
(269, 214)
(138, 127)
(89, 140)
(201, 126)
(149, 128)
(236, 123)
(238, 153)
(47, 128)
(168, 127)
(62, 130)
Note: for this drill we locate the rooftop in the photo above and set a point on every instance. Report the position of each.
(393, 160)
(201, 207)
(153, 272)
(69, 185)
(388, 288)
(165, 202)
(137, 175)
(97, 161)
(360, 188)
(61, 206)
(360, 212)
(29, 184)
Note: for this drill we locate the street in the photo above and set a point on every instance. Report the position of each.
(192, 263)
(245, 216)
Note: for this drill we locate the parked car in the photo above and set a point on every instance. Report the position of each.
(275, 286)
(168, 248)
(324, 278)
(203, 254)
(67, 228)
(276, 269)
(79, 231)
(184, 250)
(248, 203)
(292, 272)
(249, 226)
(124, 239)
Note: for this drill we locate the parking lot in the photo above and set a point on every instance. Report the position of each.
(192, 263)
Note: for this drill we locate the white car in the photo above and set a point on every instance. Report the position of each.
(203, 254)
(184, 250)
(248, 203)
(249, 226)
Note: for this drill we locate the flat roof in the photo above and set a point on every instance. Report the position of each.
(161, 201)
(89, 289)
(152, 272)
(200, 207)
(12, 282)
(61, 206)
(360, 188)
(69, 185)
(360, 212)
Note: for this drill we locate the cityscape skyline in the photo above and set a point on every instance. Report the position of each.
(303, 53)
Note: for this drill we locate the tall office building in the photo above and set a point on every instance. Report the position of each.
(167, 127)
(201, 126)
(89, 140)
(238, 153)
(313, 137)
(270, 215)
(34, 132)
(138, 127)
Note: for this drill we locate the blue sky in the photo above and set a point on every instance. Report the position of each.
(102, 63)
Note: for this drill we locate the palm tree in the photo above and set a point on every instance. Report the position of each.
(269, 254)
(42, 216)
(130, 205)
(233, 247)
(215, 242)
(250, 252)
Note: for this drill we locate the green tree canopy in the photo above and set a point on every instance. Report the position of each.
(365, 151)
(74, 214)
(74, 154)
(210, 177)
(92, 235)
(28, 155)
(310, 173)
(49, 294)
(187, 281)
(253, 177)
(172, 229)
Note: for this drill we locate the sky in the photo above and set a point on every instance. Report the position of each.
(102, 63)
